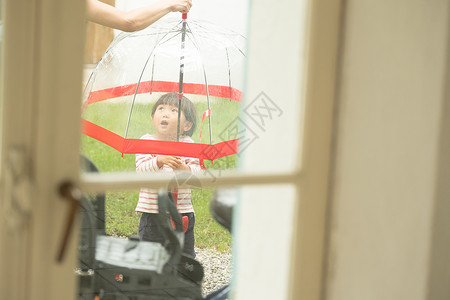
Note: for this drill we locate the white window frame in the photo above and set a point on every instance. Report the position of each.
(44, 48)
(43, 51)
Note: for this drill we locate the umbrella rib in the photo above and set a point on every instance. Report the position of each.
(153, 71)
(154, 57)
(158, 31)
(229, 71)
(156, 50)
(117, 40)
(234, 43)
(175, 35)
(139, 81)
(194, 42)
(93, 74)
(181, 75)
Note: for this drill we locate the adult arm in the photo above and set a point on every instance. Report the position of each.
(136, 19)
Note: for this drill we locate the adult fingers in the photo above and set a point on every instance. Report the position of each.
(188, 6)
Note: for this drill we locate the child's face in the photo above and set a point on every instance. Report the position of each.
(165, 121)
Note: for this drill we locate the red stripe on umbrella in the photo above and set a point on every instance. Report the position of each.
(143, 146)
(162, 86)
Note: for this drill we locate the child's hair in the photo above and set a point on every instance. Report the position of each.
(187, 107)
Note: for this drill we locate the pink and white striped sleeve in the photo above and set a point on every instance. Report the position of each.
(194, 164)
(146, 163)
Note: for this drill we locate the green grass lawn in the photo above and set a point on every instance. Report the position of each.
(123, 221)
(121, 218)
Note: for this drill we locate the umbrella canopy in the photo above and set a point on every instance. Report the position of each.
(192, 58)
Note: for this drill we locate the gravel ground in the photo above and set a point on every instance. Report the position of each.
(217, 268)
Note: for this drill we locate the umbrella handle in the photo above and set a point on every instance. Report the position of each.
(184, 16)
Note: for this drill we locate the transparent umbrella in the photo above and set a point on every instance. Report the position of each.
(192, 58)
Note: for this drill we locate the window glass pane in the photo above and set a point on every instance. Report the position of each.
(113, 260)
(202, 57)
(257, 101)
(262, 241)
(272, 112)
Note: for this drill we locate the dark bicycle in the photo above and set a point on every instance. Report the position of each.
(112, 268)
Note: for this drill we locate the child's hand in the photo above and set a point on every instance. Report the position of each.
(182, 167)
(172, 161)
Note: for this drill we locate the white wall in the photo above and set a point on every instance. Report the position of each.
(390, 107)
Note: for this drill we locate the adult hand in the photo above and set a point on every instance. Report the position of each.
(136, 19)
(182, 6)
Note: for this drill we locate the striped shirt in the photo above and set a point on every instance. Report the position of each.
(148, 198)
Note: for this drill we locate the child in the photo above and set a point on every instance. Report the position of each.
(165, 120)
